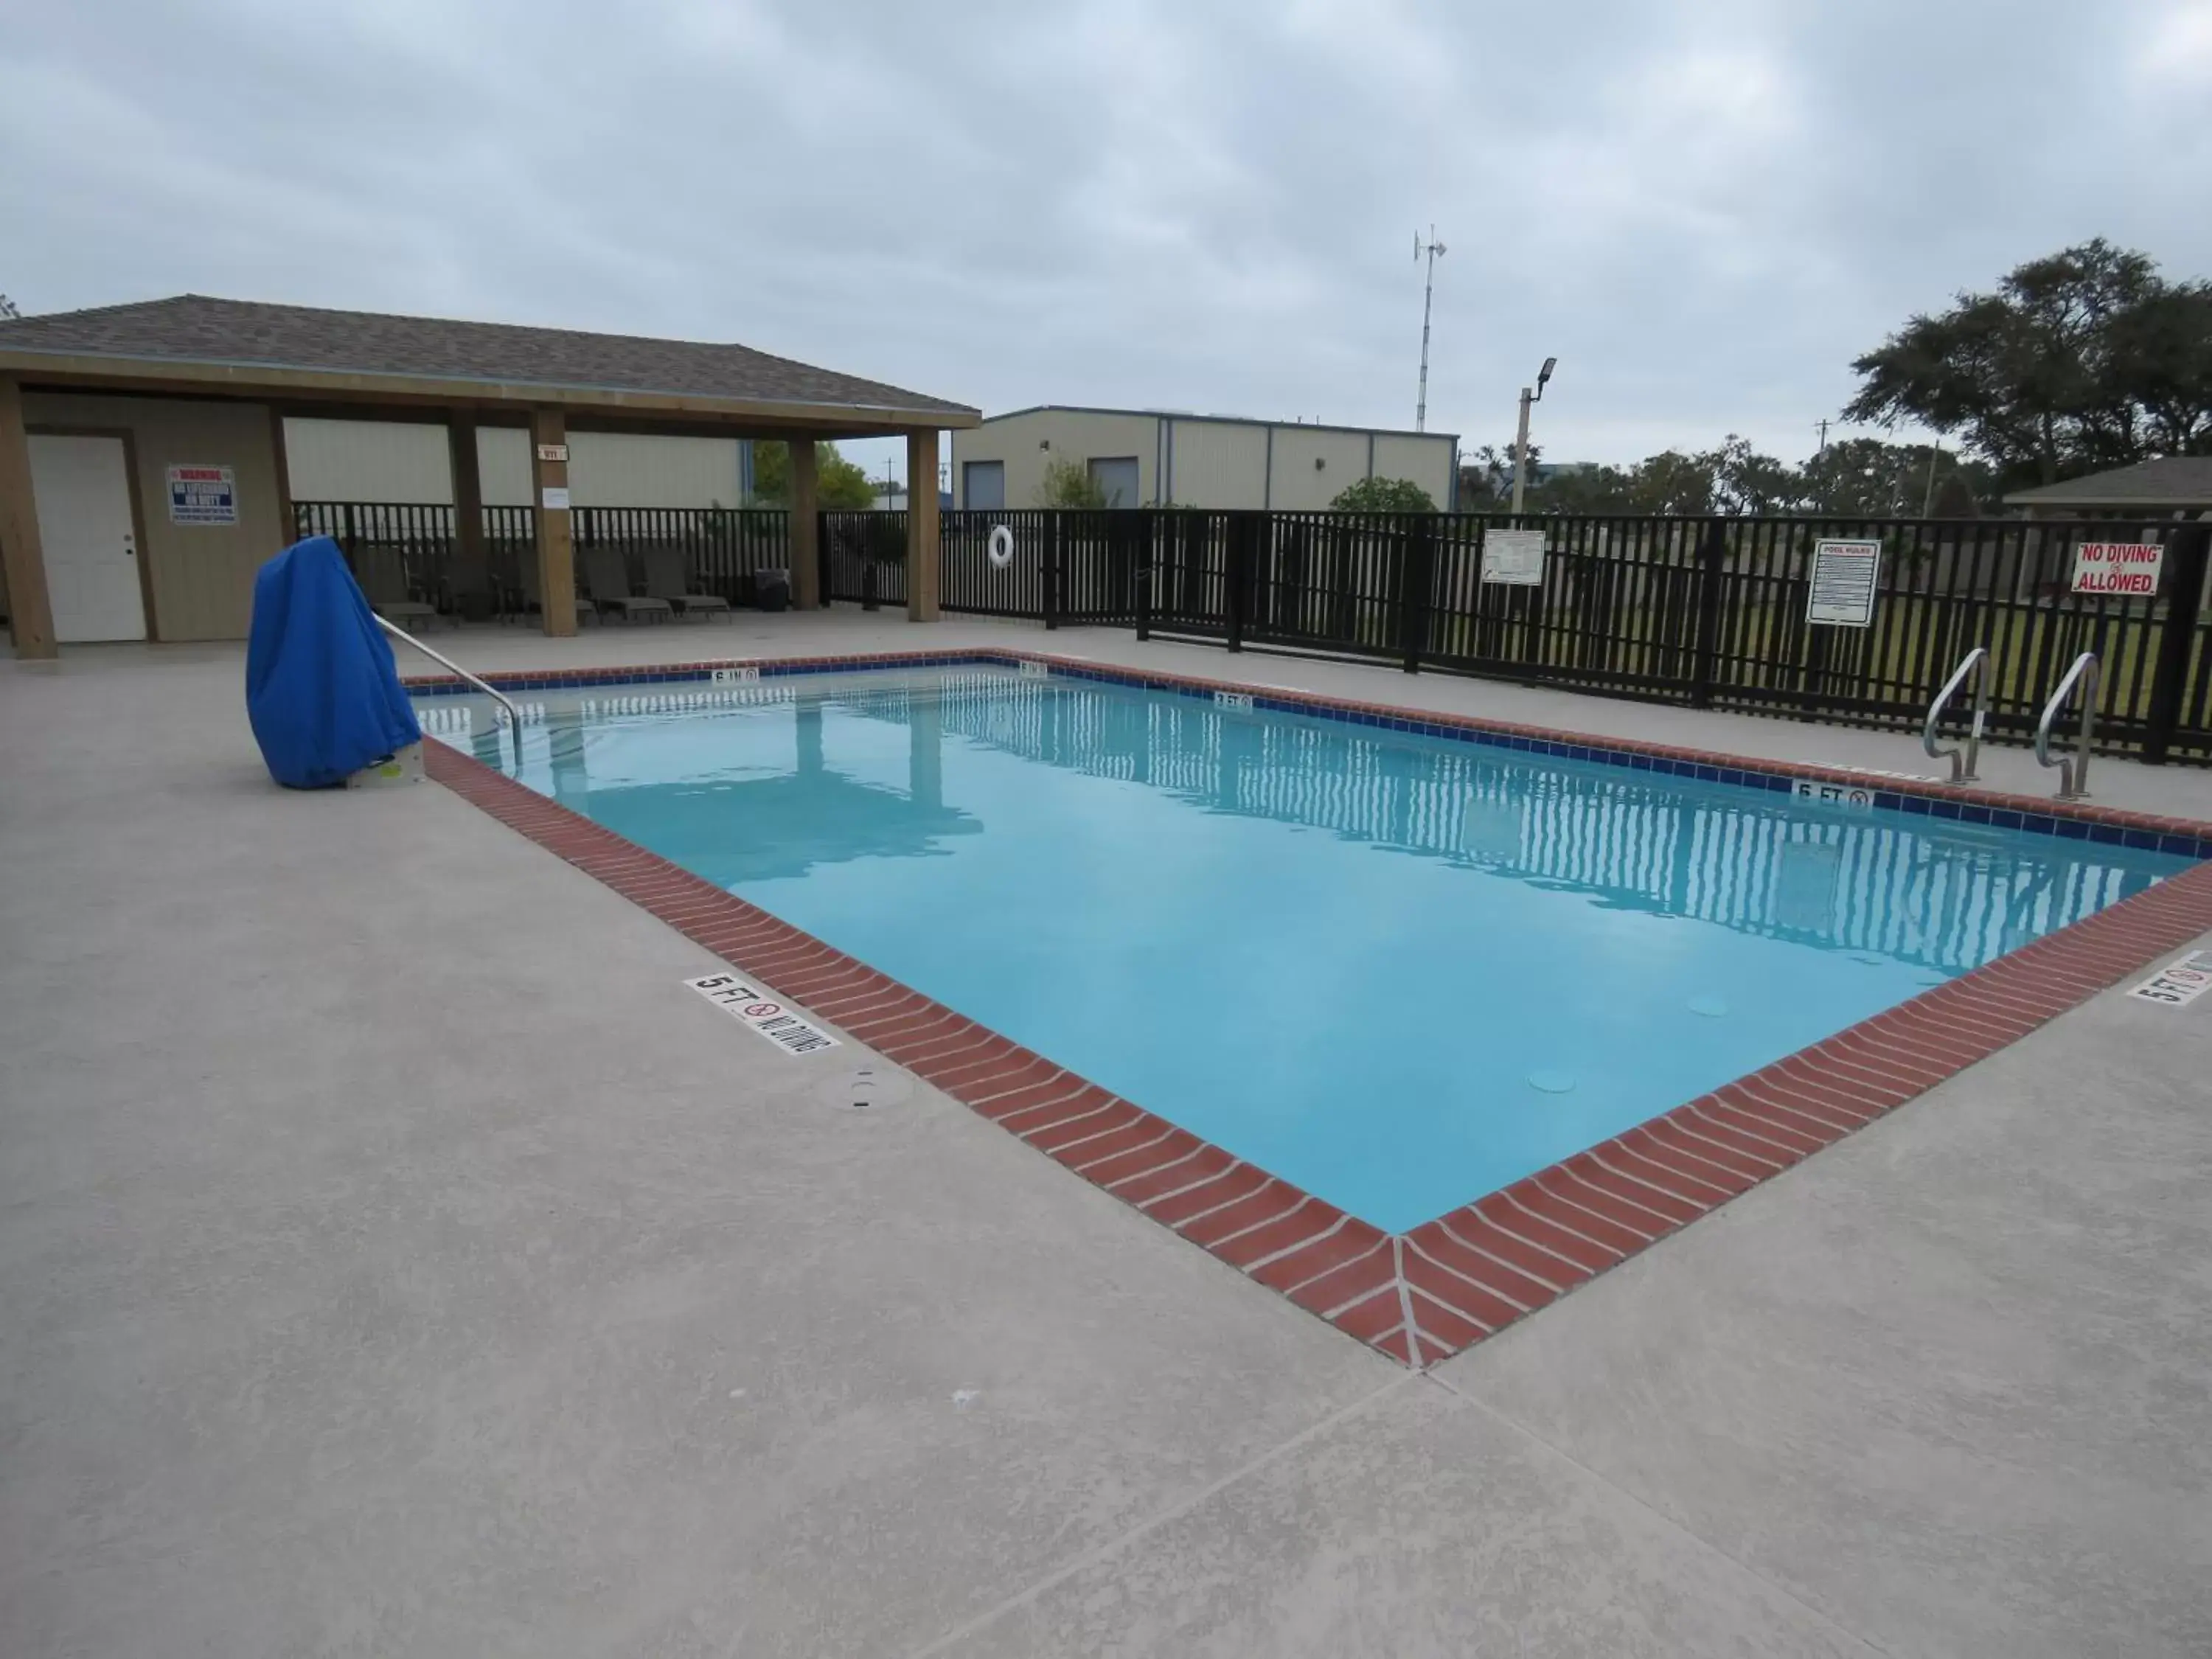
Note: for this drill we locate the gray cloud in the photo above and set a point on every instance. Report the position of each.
(1703, 210)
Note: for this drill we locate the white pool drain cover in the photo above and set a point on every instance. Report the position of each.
(867, 1088)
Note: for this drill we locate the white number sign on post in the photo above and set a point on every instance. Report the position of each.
(2130, 569)
(1846, 576)
(1514, 558)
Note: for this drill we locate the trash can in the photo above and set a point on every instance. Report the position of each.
(772, 589)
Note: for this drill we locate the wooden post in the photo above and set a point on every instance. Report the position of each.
(921, 537)
(30, 614)
(556, 551)
(805, 526)
(468, 488)
(287, 520)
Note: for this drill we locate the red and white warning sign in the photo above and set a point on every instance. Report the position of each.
(2129, 569)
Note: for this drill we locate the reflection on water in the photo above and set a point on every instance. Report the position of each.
(1943, 896)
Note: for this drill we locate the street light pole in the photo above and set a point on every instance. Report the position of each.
(1520, 437)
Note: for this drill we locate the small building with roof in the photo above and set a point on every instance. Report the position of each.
(142, 466)
(2166, 488)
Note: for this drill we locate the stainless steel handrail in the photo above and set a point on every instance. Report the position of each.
(514, 715)
(1962, 766)
(2074, 772)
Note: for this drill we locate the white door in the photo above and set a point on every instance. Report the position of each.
(83, 497)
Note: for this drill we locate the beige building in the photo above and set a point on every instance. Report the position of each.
(1157, 458)
(146, 473)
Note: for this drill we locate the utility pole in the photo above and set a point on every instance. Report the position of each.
(1432, 248)
(1821, 426)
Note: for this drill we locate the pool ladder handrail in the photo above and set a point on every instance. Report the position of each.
(514, 715)
(1974, 665)
(2074, 771)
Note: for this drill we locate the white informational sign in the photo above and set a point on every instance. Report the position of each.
(1845, 577)
(2126, 568)
(763, 1013)
(554, 498)
(1034, 670)
(1833, 794)
(553, 453)
(744, 674)
(203, 495)
(1240, 700)
(2184, 982)
(1513, 557)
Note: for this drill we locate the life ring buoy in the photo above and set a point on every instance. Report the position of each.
(1002, 546)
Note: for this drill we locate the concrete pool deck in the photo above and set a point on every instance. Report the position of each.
(396, 1258)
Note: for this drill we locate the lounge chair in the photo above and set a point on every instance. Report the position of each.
(608, 582)
(383, 577)
(533, 596)
(665, 578)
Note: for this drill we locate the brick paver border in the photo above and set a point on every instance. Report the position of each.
(1425, 1295)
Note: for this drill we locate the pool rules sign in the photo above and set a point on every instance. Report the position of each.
(2128, 568)
(1846, 576)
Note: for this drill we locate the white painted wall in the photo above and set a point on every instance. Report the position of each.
(408, 461)
(1205, 462)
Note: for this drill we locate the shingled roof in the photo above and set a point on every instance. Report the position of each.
(2173, 481)
(241, 334)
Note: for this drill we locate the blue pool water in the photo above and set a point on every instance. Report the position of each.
(1399, 971)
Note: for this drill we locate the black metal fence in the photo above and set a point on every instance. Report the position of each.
(864, 558)
(1709, 612)
(411, 550)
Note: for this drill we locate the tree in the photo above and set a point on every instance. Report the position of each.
(1382, 496)
(2085, 359)
(1745, 481)
(1865, 476)
(1068, 482)
(839, 485)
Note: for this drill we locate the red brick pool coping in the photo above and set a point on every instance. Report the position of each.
(1425, 1295)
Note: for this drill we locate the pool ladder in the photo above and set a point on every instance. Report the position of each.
(2072, 770)
(514, 715)
(1962, 761)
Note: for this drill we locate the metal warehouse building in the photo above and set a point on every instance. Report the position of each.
(1157, 458)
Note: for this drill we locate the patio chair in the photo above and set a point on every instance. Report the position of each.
(383, 577)
(533, 596)
(608, 582)
(665, 578)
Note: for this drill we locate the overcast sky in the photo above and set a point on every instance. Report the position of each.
(1703, 210)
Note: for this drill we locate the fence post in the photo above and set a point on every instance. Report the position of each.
(2184, 587)
(1142, 575)
(1712, 553)
(1235, 557)
(1052, 562)
(1416, 574)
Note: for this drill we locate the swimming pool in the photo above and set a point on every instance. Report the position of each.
(1398, 971)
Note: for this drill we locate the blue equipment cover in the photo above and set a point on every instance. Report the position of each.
(320, 688)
